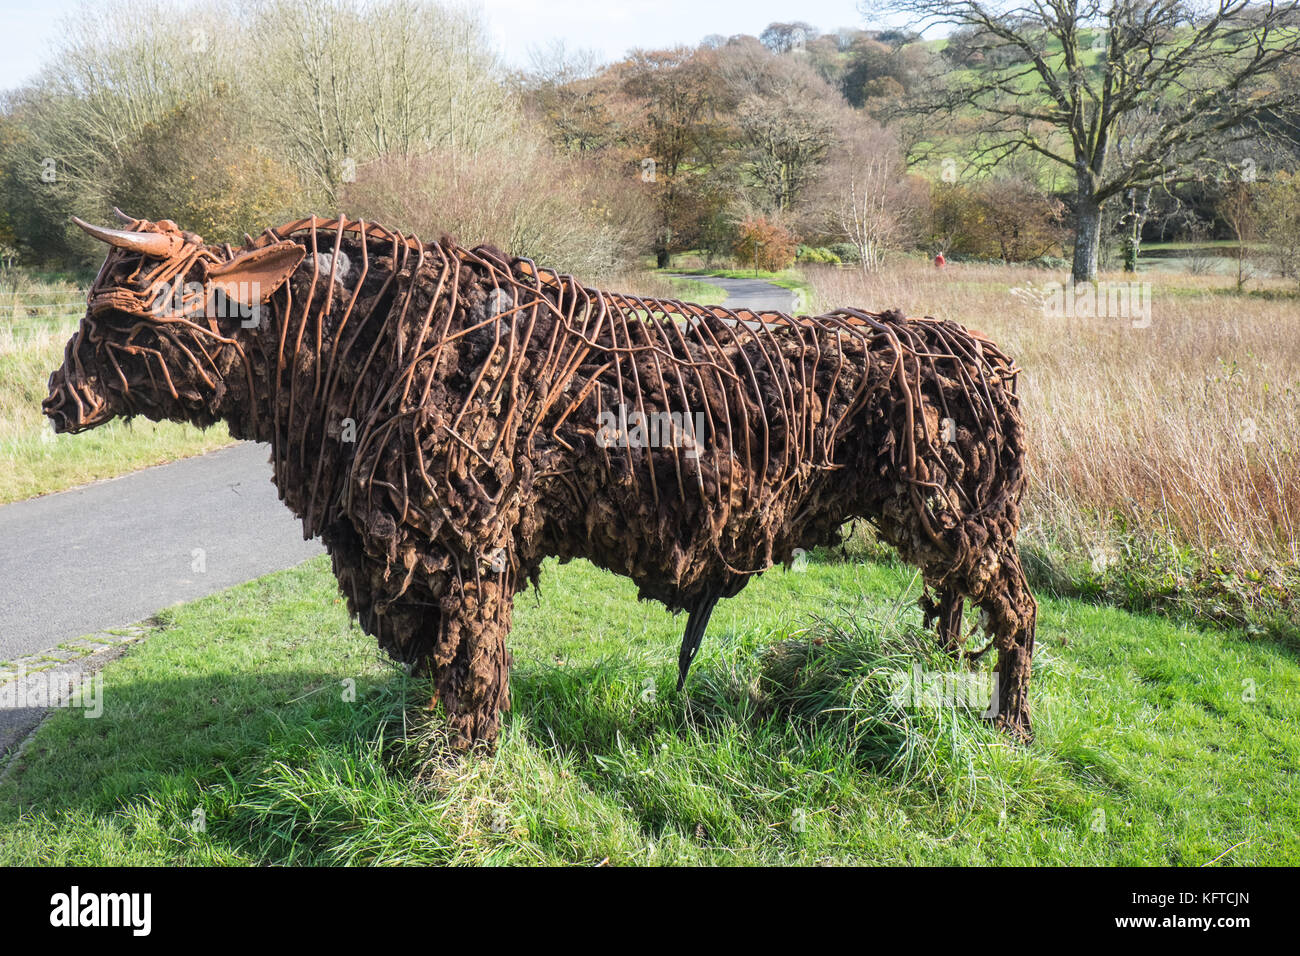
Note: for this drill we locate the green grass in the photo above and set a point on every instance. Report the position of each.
(1191, 246)
(1152, 747)
(693, 290)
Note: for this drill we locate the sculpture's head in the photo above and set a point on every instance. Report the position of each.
(167, 318)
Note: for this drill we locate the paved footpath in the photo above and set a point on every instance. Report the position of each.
(751, 293)
(107, 554)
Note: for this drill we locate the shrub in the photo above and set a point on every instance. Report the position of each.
(764, 244)
(516, 195)
(221, 191)
(1278, 204)
(1006, 218)
(817, 254)
(844, 251)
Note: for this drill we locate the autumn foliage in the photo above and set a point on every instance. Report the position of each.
(764, 244)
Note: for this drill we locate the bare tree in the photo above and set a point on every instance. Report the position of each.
(787, 117)
(341, 84)
(1124, 93)
(681, 96)
(1236, 207)
(104, 88)
(871, 203)
(787, 37)
(570, 92)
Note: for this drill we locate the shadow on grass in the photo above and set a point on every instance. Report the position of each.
(831, 703)
(153, 734)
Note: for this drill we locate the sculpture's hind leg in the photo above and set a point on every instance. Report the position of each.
(1012, 615)
(470, 663)
(992, 579)
(944, 613)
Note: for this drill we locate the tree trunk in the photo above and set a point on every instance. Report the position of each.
(1137, 218)
(1087, 236)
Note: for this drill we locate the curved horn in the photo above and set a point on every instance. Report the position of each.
(129, 220)
(147, 243)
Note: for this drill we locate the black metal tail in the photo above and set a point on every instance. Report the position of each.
(694, 636)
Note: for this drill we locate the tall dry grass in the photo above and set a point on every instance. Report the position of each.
(1186, 431)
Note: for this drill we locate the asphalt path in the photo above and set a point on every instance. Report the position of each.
(752, 294)
(114, 552)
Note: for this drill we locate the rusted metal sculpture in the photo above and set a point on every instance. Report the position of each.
(445, 419)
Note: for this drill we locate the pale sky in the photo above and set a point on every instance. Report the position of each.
(28, 28)
(610, 28)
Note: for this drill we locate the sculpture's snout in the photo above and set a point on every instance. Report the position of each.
(74, 406)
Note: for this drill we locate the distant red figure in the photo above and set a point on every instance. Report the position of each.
(940, 261)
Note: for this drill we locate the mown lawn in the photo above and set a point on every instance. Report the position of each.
(231, 736)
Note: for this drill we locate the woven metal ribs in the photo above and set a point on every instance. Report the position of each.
(447, 418)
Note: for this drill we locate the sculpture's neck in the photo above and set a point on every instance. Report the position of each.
(342, 373)
(310, 352)
(247, 393)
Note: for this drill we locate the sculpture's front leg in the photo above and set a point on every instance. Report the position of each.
(470, 664)
(451, 628)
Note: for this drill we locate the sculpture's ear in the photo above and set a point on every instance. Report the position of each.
(252, 277)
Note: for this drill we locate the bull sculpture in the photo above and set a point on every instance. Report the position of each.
(445, 419)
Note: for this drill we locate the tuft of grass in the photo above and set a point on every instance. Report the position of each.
(232, 736)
